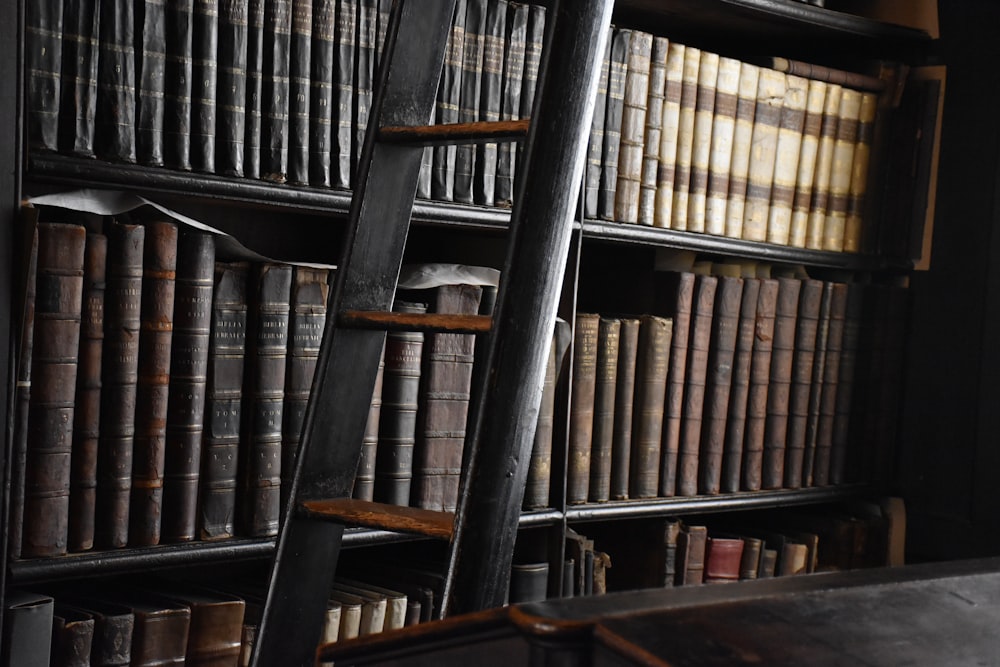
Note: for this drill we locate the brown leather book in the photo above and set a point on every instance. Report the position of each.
(536, 490)
(816, 386)
(188, 378)
(695, 379)
(782, 360)
(581, 411)
(800, 388)
(732, 455)
(364, 479)
(794, 559)
(72, 637)
(111, 644)
(723, 559)
(691, 544)
(849, 370)
(608, 341)
(633, 127)
(750, 560)
(216, 626)
(760, 378)
(55, 352)
(678, 294)
(621, 441)
(152, 386)
(831, 379)
(768, 563)
(160, 630)
(652, 360)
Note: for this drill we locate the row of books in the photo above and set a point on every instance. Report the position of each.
(686, 139)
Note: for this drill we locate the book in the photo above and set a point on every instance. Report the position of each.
(816, 385)
(736, 415)
(27, 629)
(701, 143)
(847, 373)
(446, 106)
(204, 83)
(621, 440)
(820, 196)
(43, 32)
(695, 379)
(750, 560)
(300, 91)
(185, 415)
(177, 82)
(364, 54)
(720, 158)
(654, 123)
(820, 475)
(824, 74)
(231, 87)
(691, 544)
(800, 388)
(760, 379)
(372, 607)
(536, 491)
(215, 627)
(223, 401)
(858, 186)
(669, 128)
(685, 137)
(364, 478)
(471, 94)
(779, 387)
(321, 111)
(342, 119)
(608, 338)
(766, 123)
(532, 60)
(150, 63)
(490, 101)
(768, 563)
(652, 362)
(114, 138)
(510, 105)
(614, 110)
(786, 159)
(253, 117)
(679, 297)
(633, 128)
(723, 559)
(739, 168)
(595, 144)
(528, 582)
(54, 361)
(840, 170)
(581, 412)
(160, 630)
(78, 95)
(72, 637)
(808, 152)
(275, 86)
(111, 644)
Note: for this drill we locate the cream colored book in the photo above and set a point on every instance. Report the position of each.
(820, 195)
(786, 159)
(746, 105)
(685, 137)
(854, 223)
(667, 169)
(720, 157)
(840, 172)
(811, 127)
(763, 150)
(654, 123)
(701, 143)
(633, 128)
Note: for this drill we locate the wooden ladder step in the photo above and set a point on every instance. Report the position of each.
(395, 518)
(428, 322)
(456, 133)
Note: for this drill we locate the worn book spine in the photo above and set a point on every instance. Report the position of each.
(820, 196)
(398, 419)
(364, 479)
(633, 128)
(177, 84)
(490, 101)
(621, 439)
(786, 160)
(72, 637)
(701, 148)
(652, 360)
(532, 59)
(723, 559)
(721, 153)
(811, 126)
(324, 17)
(760, 378)
(111, 644)
(816, 386)
(581, 414)
(825, 74)
(253, 118)
(732, 456)
(215, 627)
(188, 382)
(613, 114)
(78, 94)
(87, 412)
(853, 225)
(446, 106)
(471, 92)
(275, 87)
(263, 398)
(55, 353)
(43, 28)
(691, 544)
(159, 272)
(750, 560)
(223, 393)
(739, 168)
(695, 379)
(840, 170)
(654, 124)
(160, 632)
(779, 388)
(300, 91)
(608, 343)
(595, 144)
(342, 119)
(363, 77)
(536, 490)
(685, 137)
(831, 380)
(849, 372)
(669, 126)
(122, 301)
(800, 389)
(150, 64)
(232, 86)
(764, 149)
(680, 295)
(510, 105)
(115, 117)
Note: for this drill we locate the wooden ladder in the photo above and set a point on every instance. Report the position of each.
(511, 353)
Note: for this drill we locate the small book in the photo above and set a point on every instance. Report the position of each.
(695, 379)
(669, 127)
(350, 614)
(43, 32)
(471, 94)
(766, 124)
(111, 644)
(160, 631)
(621, 438)
(395, 601)
(364, 54)
(204, 83)
(532, 57)
(216, 625)
(613, 114)
(760, 380)
(739, 168)
(373, 607)
(691, 544)
(78, 95)
(820, 475)
(72, 637)
(27, 629)
(115, 118)
(819, 198)
(529, 582)
(840, 171)
(608, 342)
(581, 417)
(231, 90)
(654, 123)
(342, 119)
(490, 101)
(721, 153)
(768, 563)
(253, 118)
(779, 388)
(595, 145)
(701, 146)
(150, 64)
(300, 90)
(633, 127)
(857, 189)
(800, 389)
(816, 385)
(812, 125)
(177, 83)
(678, 296)
(732, 455)
(786, 160)
(446, 107)
(848, 371)
(321, 111)
(275, 86)
(685, 137)
(723, 559)
(537, 487)
(652, 363)
(750, 560)
(364, 478)
(510, 105)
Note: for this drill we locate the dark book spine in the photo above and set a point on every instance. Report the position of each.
(695, 378)
(364, 479)
(816, 386)
(654, 126)
(595, 144)
(263, 398)
(536, 490)
(446, 108)
(300, 91)
(115, 130)
(72, 637)
(177, 85)
(779, 388)
(806, 328)
(621, 440)
(732, 456)
(122, 301)
(469, 101)
(160, 633)
(78, 103)
(223, 392)
(723, 559)
(510, 107)
(55, 352)
(274, 90)
(363, 77)
(398, 419)
(490, 101)
(342, 121)
(188, 379)
(581, 412)
(532, 58)
(722, 352)
(150, 68)
(159, 273)
(232, 87)
(43, 28)
(253, 119)
(652, 362)
(630, 147)
(614, 109)
(831, 380)
(111, 645)
(680, 292)
(750, 561)
(760, 380)
(692, 543)
(608, 345)
(321, 91)
(528, 582)
(204, 83)
(87, 415)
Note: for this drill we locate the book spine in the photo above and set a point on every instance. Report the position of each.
(364, 480)
(750, 561)
(800, 389)
(490, 101)
(633, 127)
(581, 418)
(532, 58)
(766, 128)
(159, 272)
(363, 76)
(850, 355)
(695, 379)
(786, 160)
(342, 120)
(614, 111)
(536, 491)
(816, 386)
(188, 383)
(760, 378)
(654, 123)
(681, 292)
(723, 559)
(510, 108)
(321, 91)
(779, 389)
(87, 412)
(608, 343)
(150, 67)
(621, 440)
(853, 224)
(666, 168)
(701, 149)
(446, 105)
(72, 637)
(469, 101)
(234, 16)
(746, 109)
(78, 95)
(825, 74)
(223, 393)
(820, 196)
(274, 90)
(685, 137)
(300, 90)
(732, 457)
(43, 28)
(811, 127)
(655, 334)
(840, 171)
(115, 130)
(595, 145)
(721, 153)
(55, 354)
(253, 118)
(831, 380)
(691, 543)
(177, 82)
(119, 374)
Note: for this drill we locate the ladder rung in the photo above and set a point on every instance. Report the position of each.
(430, 322)
(396, 518)
(456, 133)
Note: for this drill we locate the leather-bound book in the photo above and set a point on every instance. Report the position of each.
(669, 129)
(470, 98)
(529, 582)
(723, 559)
(160, 630)
(87, 414)
(324, 15)
(536, 489)
(177, 84)
(223, 404)
(701, 148)
(363, 76)
(679, 297)
(188, 382)
(27, 629)
(490, 101)
(300, 91)
(779, 388)
(721, 355)
(768, 563)
(820, 197)
(263, 398)
(342, 120)
(78, 103)
(654, 124)
(364, 478)
(581, 416)
(633, 128)
(532, 58)
(750, 560)
(510, 103)
(43, 28)
(621, 438)
(786, 160)
(739, 392)
(595, 144)
(766, 124)
(695, 379)
(613, 113)
(857, 189)
(685, 137)
(800, 389)
(831, 380)
(652, 361)
(812, 125)
(739, 167)
(72, 637)
(691, 544)
(159, 271)
(816, 386)
(760, 381)
(55, 352)
(608, 342)
(231, 90)
(150, 67)
(274, 90)
(840, 171)
(446, 106)
(398, 420)
(216, 626)
(115, 117)
(721, 155)
(111, 644)
(254, 118)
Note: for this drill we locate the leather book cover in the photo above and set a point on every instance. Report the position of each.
(253, 110)
(800, 388)
(443, 400)
(679, 296)
(750, 560)
(831, 378)
(321, 114)
(364, 479)
(768, 563)
(231, 90)
(529, 582)
(633, 127)
(723, 559)
(786, 160)
(595, 143)
(701, 147)
(471, 92)
(857, 189)
(510, 100)
(72, 637)
(54, 361)
(78, 93)
(766, 124)
(396, 601)
(820, 197)
(27, 629)
(816, 386)
(215, 627)
(608, 342)
(398, 419)
(794, 559)
(732, 453)
(685, 137)
(654, 124)
(160, 630)
(115, 118)
(695, 380)
(840, 170)
(691, 544)
(111, 644)
(150, 66)
(812, 125)
(849, 371)
(652, 362)
(760, 380)
(538, 484)
(532, 58)
(87, 413)
(490, 101)
(177, 84)
(223, 402)
(667, 160)
(300, 90)
(363, 76)
(263, 398)
(446, 106)
(739, 168)
(581, 411)
(342, 120)
(274, 90)
(159, 272)
(720, 159)
(187, 385)
(779, 388)
(719, 379)
(307, 321)
(621, 438)
(613, 116)
(43, 28)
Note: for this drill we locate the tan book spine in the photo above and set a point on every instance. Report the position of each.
(763, 151)
(811, 126)
(786, 159)
(820, 194)
(746, 106)
(633, 128)
(685, 137)
(669, 127)
(654, 124)
(840, 172)
(701, 150)
(853, 225)
(721, 154)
